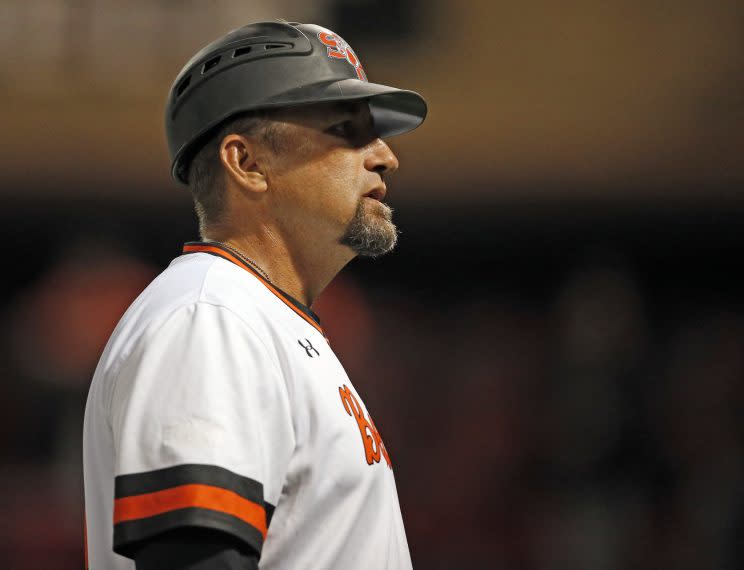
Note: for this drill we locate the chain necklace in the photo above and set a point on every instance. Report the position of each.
(243, 257)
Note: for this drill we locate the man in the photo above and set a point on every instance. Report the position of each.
(220, 429)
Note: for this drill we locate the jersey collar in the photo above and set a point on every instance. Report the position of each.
(215, 249)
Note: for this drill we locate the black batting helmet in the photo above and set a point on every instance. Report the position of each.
(274, 64)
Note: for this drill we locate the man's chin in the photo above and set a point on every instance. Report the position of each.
(371, 233)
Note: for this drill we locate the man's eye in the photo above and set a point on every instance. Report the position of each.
(345, 130)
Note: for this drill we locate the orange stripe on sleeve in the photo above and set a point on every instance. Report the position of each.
(189, 496)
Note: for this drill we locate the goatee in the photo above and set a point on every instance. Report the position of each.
(371, 232)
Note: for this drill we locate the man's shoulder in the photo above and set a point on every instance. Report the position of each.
(194, 279)
(192, 284)
(198, 293)
(188, 280)
(202, 284)
(181, 283)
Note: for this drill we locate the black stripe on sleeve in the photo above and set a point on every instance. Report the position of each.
(195, 549)
(188, 474)
(130, 535)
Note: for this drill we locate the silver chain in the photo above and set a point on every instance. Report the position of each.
(243, 257)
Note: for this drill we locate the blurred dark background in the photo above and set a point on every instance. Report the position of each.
(555, 353)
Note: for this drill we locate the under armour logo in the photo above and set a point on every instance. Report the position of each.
(308, 347)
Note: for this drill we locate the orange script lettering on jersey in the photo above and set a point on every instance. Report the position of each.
(373, 445)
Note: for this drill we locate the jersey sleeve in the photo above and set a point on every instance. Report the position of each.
(194, 549)
(202, 430)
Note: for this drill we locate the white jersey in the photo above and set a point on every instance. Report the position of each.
(218, 403)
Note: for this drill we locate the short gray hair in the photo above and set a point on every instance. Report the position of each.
(206, 175)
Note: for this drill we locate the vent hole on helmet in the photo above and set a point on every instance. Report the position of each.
(182, 86)
(273, 46)
(210, 64)
(242, 51)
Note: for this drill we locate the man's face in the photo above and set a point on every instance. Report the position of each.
(326, 174)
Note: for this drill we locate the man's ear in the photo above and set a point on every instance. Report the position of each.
(238, 156)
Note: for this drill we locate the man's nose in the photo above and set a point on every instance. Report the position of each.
(381, 158)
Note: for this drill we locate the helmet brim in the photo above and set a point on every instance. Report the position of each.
(394, 111)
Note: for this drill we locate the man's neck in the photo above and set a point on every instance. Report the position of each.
(299, 271)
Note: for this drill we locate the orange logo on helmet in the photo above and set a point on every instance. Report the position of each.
(339, 49)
